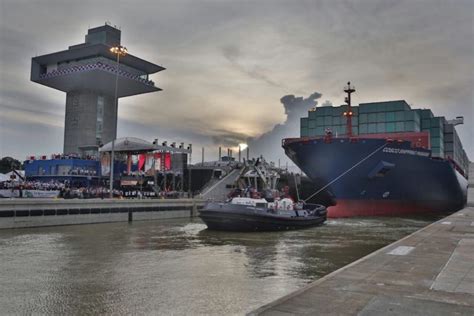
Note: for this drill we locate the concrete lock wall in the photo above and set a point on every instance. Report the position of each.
(40, 212)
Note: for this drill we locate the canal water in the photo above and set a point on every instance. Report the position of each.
(175, 267)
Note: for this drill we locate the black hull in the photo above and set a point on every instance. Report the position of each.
(247, 222)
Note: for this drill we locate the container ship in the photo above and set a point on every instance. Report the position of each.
(381, 158)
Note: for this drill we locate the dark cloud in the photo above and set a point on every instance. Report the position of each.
(295, 107)
(233, 54)
(269, 144)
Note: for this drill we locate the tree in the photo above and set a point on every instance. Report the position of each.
(8, 164)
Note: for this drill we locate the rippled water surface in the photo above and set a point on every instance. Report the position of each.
(175, 266)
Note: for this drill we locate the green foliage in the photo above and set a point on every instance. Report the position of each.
(7, 164)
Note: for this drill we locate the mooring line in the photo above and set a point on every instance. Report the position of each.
(345, 172)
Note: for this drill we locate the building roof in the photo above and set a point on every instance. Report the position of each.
(97, 50)
(129, 144)
(137, 145)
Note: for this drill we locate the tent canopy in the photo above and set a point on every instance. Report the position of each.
(137, 145)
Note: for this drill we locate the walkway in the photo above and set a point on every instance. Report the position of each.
(430, 272)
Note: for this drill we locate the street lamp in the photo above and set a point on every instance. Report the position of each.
(119, 51)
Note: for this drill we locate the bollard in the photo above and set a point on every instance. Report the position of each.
(130, 215)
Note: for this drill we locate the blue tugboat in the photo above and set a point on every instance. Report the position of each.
(249, 214)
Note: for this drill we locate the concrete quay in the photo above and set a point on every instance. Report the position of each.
(430, 272)
(21, 213)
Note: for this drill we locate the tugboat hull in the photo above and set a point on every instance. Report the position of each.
(227, 217)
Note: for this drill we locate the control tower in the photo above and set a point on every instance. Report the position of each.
(88, 74)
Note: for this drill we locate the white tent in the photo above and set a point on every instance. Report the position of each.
(20, 172)
(4, 177)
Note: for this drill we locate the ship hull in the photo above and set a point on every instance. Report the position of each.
(231, 217)
(370, 177)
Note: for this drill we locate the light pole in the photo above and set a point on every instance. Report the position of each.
(119, 51)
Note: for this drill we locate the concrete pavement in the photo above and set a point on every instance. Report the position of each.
(430, 272)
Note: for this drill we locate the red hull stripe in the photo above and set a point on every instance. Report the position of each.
(350, 208)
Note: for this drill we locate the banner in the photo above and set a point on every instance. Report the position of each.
(28, 194)
(40, 194)
(105, 164)
(157, 161)
(141, 161)
(149, 165)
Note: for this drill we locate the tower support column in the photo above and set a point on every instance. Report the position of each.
(91, 119)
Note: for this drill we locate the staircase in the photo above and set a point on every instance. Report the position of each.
(218, 191)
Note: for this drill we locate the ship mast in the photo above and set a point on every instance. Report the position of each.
(348, 114)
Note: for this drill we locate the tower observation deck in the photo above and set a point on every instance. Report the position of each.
(88, 73)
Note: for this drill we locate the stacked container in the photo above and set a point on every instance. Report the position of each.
(372, 119)
(328, 117)
(388, 117)
(435, 126)
(453, 148)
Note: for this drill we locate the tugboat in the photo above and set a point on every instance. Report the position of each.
(251, 214)
(267, 209)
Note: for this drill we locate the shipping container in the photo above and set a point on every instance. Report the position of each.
(390, 119)
(390, 127)
(437, 122)
(372, 117)
(399, 116)
(453, 147)
(426, 114)
(388, 106)
(322, 110)
(410, 126)
(337, 111)
(304, 122)
(304, 132)
(372, 128)
(426, 123)
(381, 128)
(399, 126)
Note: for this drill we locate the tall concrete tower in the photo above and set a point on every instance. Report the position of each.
(88, 73)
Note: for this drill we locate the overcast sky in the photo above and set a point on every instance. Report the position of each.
(230, 62)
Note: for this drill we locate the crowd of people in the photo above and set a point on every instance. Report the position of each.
(33, 185)
(71, 191)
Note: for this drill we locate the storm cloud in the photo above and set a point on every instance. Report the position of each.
(269, 144)
(234, 56)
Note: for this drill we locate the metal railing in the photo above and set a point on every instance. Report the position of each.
(94, 66)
